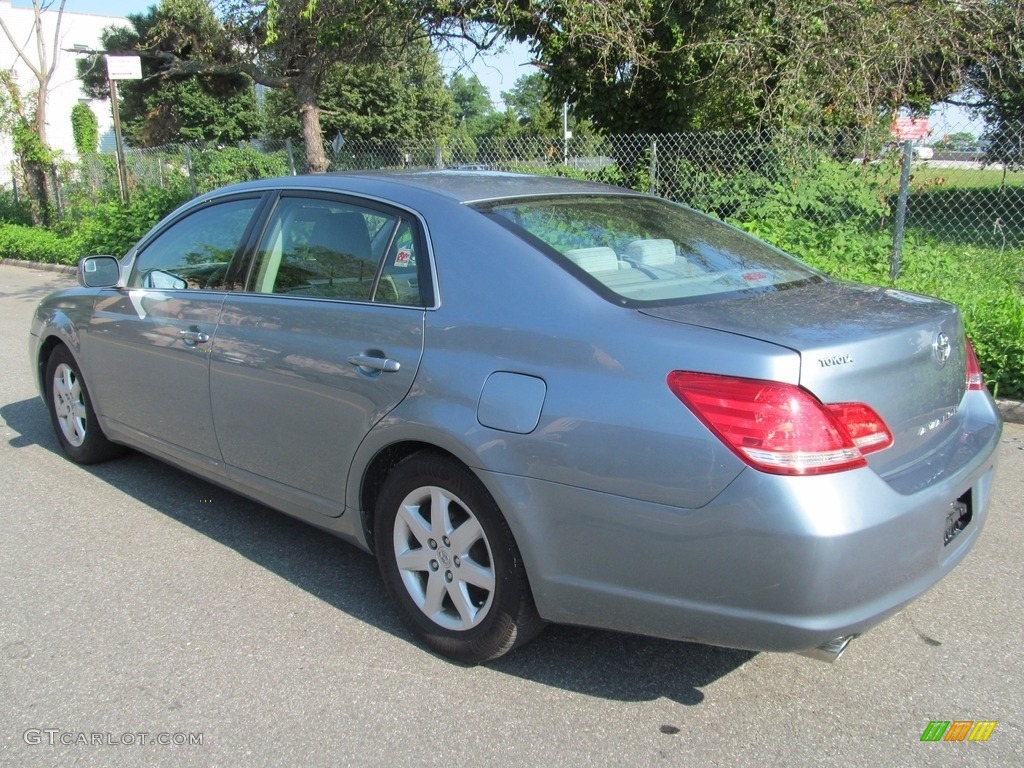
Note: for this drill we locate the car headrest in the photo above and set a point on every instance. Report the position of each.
(600, 259)
(652, 253)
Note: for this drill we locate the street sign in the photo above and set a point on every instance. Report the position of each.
(910, 128)
(124, 67)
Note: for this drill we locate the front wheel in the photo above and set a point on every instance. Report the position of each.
(449, 561)
(71, 412)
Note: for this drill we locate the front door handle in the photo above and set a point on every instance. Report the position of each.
(193, 336)
(375, 363)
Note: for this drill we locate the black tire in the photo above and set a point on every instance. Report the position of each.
(71, 412)
(460, 586)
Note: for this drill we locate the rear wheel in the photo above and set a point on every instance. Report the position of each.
(71, 412)
(449, 561)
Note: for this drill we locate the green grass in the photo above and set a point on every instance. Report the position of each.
(925, 178)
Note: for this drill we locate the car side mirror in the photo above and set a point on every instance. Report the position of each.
(99, 272)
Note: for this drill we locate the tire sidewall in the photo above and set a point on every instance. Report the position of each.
(497, 631)
(95, 447)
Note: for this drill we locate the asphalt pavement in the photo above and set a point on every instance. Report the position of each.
(150, 618)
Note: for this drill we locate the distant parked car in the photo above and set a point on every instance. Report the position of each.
(537, 399)
(923, 153)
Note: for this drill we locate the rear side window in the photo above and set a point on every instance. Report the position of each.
(194, 251)
(649, 250)
(323, 248)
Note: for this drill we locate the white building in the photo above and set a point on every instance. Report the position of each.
(78, 31)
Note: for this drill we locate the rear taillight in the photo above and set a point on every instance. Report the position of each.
(781, 428)
(974, 378)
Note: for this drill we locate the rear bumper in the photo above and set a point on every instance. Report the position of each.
(772, 563)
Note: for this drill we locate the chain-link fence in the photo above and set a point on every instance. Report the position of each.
(958, 192)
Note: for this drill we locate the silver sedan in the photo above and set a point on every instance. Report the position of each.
(536, 400)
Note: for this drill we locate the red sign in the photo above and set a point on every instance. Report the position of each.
(910, 128)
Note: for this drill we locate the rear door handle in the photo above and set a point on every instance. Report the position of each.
(375, 363)
(193, 336)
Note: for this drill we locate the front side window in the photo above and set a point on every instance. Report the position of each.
(649, 250)
(324, 248)
(194, 252)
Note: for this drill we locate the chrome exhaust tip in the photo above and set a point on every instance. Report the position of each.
(829, 651)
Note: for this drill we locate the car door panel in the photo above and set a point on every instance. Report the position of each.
(150, 368)
(289, 404)
(149, 342)
(320, 348)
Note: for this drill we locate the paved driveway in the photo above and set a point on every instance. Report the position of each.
(139, 604)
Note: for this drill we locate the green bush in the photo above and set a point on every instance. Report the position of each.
(12, 209)
(114, 227)
(18, 241)
(228, 165)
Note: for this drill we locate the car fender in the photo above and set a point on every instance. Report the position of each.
(58, 317)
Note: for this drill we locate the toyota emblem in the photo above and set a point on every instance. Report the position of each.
(942, 348)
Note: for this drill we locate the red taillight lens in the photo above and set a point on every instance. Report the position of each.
(781, 428)
(974, 378)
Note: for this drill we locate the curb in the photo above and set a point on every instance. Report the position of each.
(1012, 411)
(66, 269)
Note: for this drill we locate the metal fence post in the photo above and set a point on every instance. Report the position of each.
(652, 186)
(901, 211)
(291, 156)
(438, 156)
(191, 173)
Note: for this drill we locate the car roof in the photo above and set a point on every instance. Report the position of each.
(457, 185)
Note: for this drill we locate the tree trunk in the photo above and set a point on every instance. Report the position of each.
(37, 191)
(312, 133)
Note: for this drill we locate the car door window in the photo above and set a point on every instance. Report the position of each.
(332, 249)
(194, 252)
(401, 272)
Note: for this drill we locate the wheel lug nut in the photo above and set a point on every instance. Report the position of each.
(457, 561)
(448, 576)
(431, 543)
(446, 540)
(434, 565)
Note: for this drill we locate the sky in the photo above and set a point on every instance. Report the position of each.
(499, 71)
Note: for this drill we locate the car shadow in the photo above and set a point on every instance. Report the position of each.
(588, 661)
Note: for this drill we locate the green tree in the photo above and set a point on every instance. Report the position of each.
(472, 106)
(405, 100)
(296, 44)
(163, 108)
(960, 141)
(528, 98)
(733, 63)
(997, 84)
(25, 119)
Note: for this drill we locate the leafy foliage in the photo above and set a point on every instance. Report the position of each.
(732, 63)
(85, 129)
(472, 108)
(234, 164)
(18, 241)
(403, 100)
(113, 227)
(163, 107)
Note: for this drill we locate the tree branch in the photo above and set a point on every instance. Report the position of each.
(178, 67)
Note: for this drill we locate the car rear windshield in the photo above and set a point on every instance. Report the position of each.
(650, 250)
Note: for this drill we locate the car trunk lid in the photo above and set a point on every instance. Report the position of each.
(900, 353)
